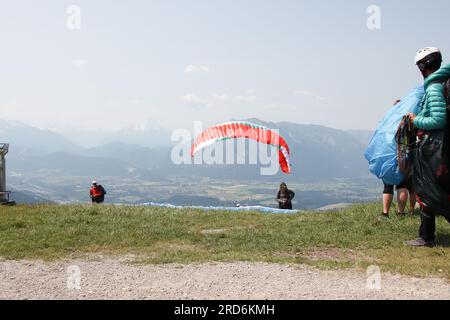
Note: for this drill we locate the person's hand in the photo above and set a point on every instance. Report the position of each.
(412, 116)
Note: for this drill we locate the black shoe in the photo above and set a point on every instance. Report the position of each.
(419, 242)
(385, 215)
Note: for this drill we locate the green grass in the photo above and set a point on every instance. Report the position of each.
(353, 238)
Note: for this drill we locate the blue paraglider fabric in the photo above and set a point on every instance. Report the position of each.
(382, 150)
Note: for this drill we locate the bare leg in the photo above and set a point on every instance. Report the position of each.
(387, 201)
(402, 197)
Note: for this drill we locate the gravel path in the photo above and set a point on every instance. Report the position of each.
(119, 279)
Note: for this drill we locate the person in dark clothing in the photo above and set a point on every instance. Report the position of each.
(433, 116)
(284, 197)
(97, 193)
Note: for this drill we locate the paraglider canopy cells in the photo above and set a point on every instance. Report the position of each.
(241, 129)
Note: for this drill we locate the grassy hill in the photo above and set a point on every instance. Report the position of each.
(353, 238)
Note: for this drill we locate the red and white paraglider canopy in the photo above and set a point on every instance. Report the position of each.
(241, 129)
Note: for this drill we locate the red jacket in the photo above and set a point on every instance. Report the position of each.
(96, 191)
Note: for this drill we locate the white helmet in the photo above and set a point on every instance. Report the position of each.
(94, 182)
(425, 52)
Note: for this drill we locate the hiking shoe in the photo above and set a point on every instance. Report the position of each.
(401, 214)
(385, 215)
(419, 242)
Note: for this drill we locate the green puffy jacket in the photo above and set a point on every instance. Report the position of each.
(433, 114)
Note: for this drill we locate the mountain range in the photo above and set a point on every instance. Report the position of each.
(40, 159)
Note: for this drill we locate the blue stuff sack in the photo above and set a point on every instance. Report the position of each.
(382, 150)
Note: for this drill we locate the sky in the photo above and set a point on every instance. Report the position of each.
(169, 63)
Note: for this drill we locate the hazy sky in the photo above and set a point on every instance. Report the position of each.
(173, 62)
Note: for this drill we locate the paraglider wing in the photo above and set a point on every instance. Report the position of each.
(382, 150)
(239, 129)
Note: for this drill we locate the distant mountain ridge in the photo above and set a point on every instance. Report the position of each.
(29, 137)
(363, 136)
(318, 153)
(146, 135)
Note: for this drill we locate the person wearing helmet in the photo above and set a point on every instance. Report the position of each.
(97, 193)
(284, 197)
(432, 116)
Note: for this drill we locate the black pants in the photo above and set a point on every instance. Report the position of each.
(428, 226)
(285, 206)
(405, 184)
(97, 199)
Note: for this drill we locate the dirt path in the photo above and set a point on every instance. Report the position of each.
(117, 279)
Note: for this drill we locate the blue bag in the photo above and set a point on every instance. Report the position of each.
(382, 150)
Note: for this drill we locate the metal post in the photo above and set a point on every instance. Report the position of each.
(4, 147)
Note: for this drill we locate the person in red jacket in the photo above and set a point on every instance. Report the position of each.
(97, 193)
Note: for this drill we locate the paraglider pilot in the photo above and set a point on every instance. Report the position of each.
(284, 197)
(97, 193)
